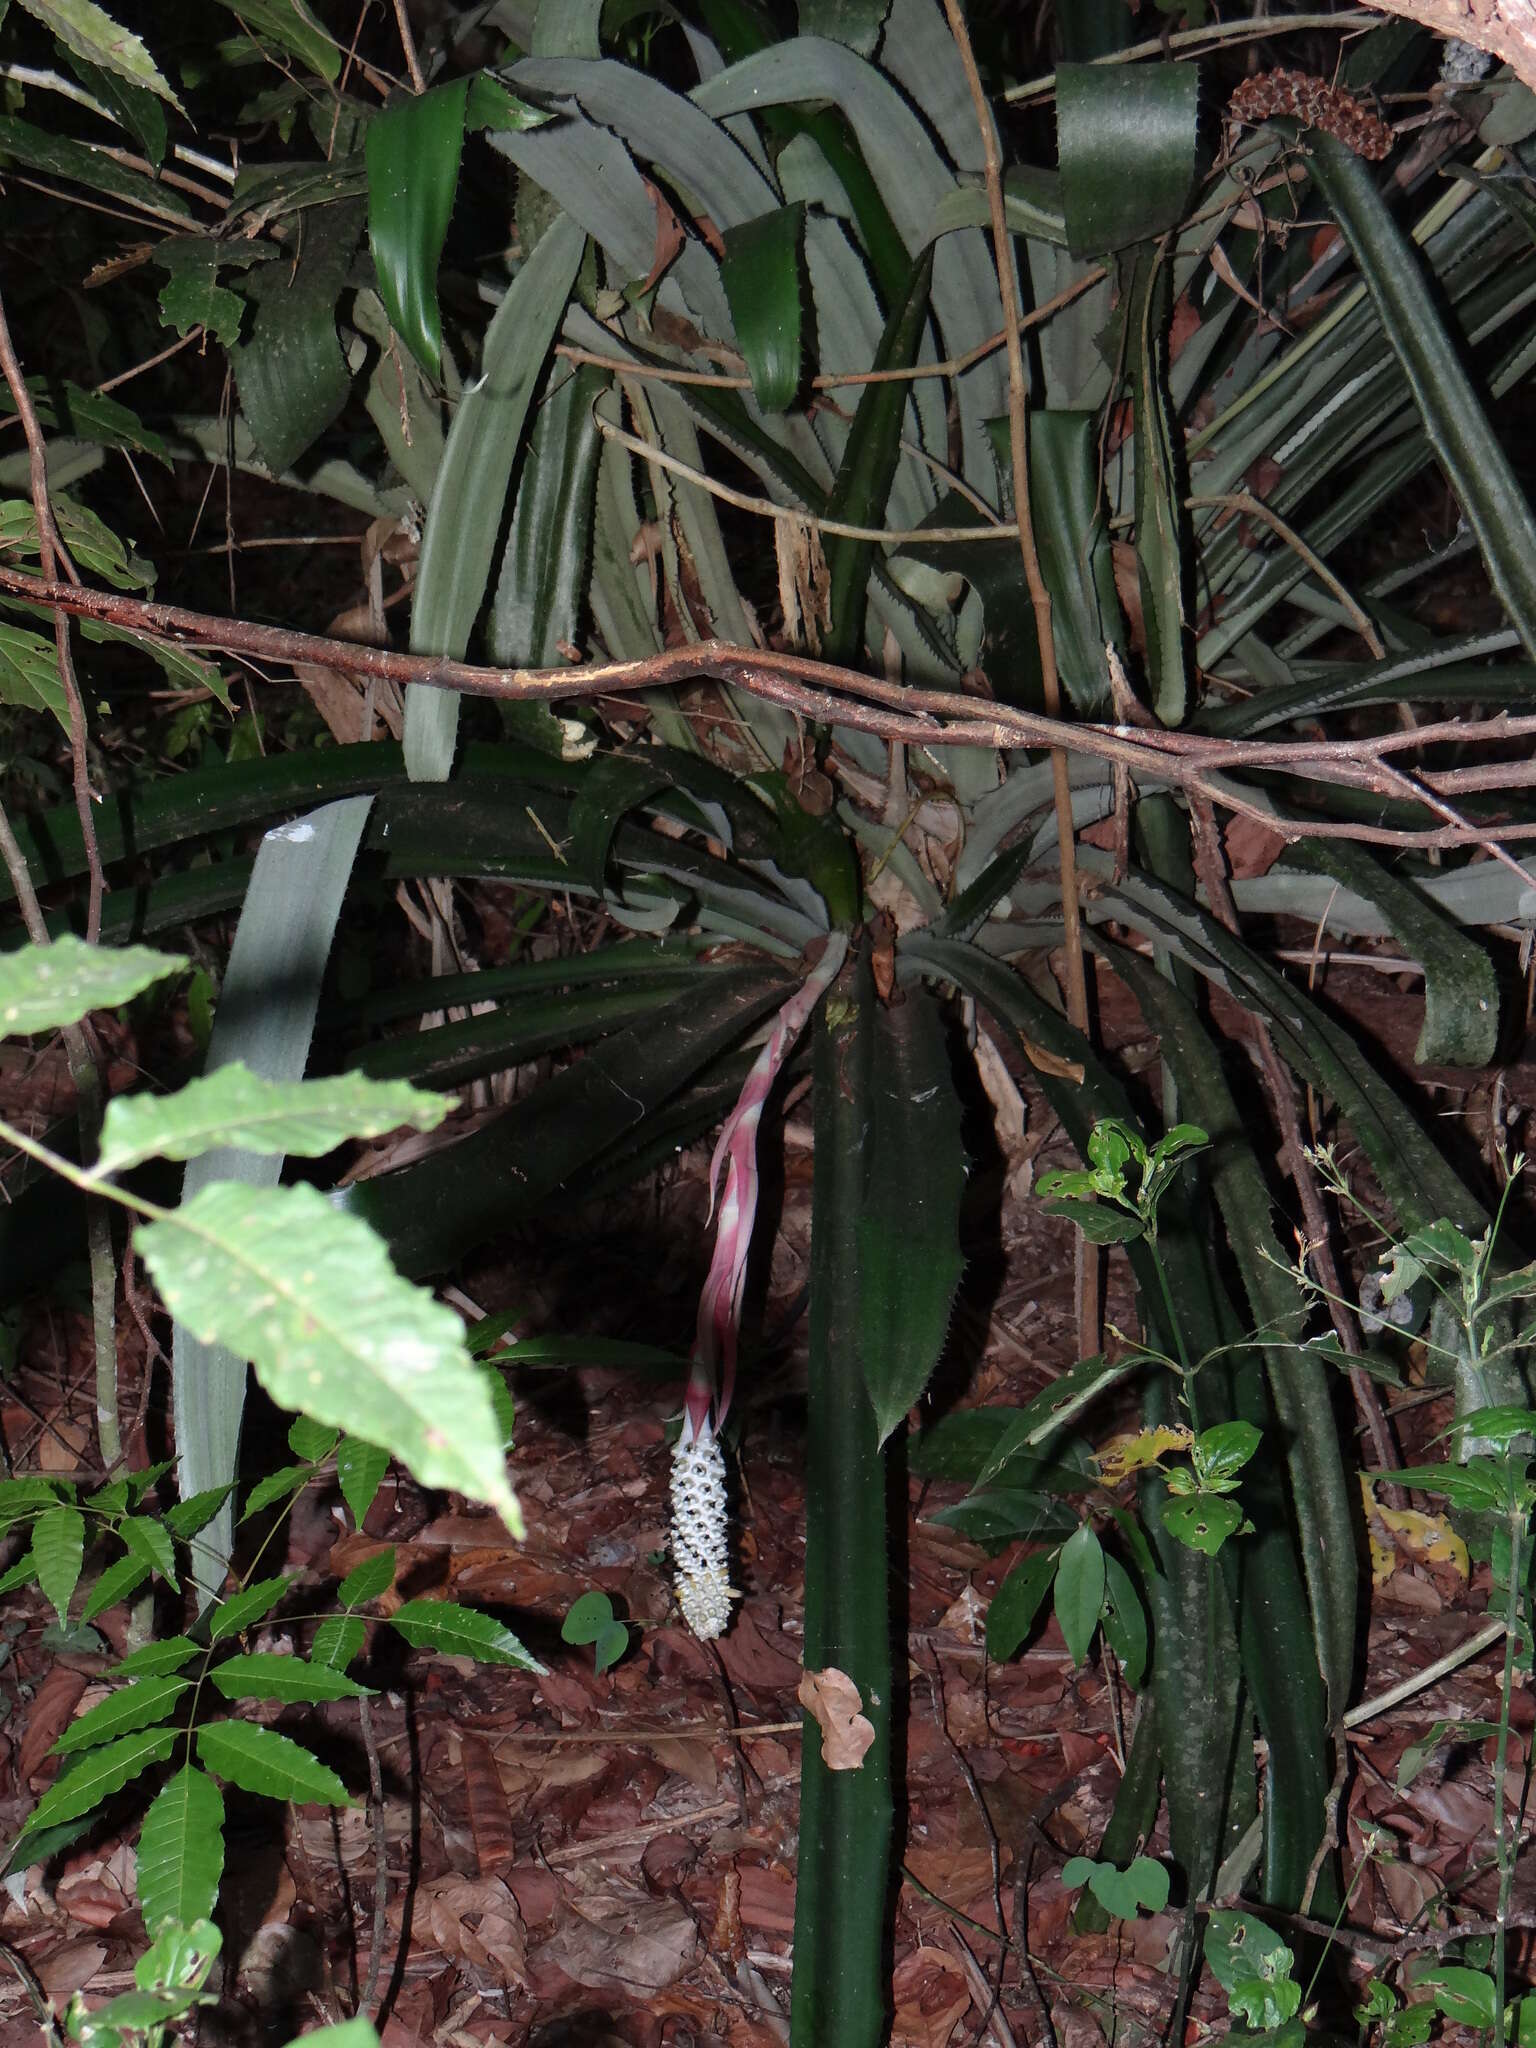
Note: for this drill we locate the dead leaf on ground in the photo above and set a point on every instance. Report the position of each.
(623, 1941)
(832, 1699)
(931, 1998)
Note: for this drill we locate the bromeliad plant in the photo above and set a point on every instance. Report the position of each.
(710, 257)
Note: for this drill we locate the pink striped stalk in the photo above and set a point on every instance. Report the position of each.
(699, 1537)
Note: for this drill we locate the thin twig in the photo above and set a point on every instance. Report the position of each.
(1255, 508)
(408, 44)
(822, 692)
(365, 2005)
(1420, 1681)
(54, 556)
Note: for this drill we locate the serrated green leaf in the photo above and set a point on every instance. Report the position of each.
(1012, 1609)
(244, 1609)
(1127, 139)
(21, 1573)
(110, 1499)
(59, 156)
(1080, 1590)
(272, 1675)
(193, 298)
(98, 1774)
(134, 108)
(309, 1295)
(337, 1641)
(91, 33)
(360, 1469)
(58, 1549)
(187, 1517)
(375, 1575)
(413, 149)
(455, 1631)
(181, 1850)
(140, 1705)
(290, 24)
(235, 1107)
(156, 1657)
(761, 274)
(45, 987)
(260, 1760)
(311, 1440)
(279, 1485)
(150, 1541)
(29, 673)
(118, 1582)
(22, 1497)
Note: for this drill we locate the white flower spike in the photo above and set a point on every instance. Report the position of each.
(700, 1541)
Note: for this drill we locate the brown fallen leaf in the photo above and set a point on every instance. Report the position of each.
(832, 1699)
(1047, 1062)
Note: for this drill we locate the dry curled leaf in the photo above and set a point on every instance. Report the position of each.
(832, 1699)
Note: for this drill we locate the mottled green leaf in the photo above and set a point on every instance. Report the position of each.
(44, 987)
(291, 374)
(304, 1119)
(309, 1295)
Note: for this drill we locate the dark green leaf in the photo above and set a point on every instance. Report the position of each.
(587, 1618)
(291, 374)
(761, 275)
(1125, 1622)
(1126, 141)
(1080, 1590)
(908, 1224)
(244, 1609)
(863, 482)
(1203, 1521)
(360, 1469)
(188, 1517)
(413, 150)
(1012, 1609)
(375, 1575)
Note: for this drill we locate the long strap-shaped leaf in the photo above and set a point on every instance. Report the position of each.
(843, 1871)
(464, 517)
(266, 1017)
(1471, 453)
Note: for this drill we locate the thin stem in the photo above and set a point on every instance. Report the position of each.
(1210, 37)
(412, 61)
(1507, 1852)
(365, 2006)
(53, 556)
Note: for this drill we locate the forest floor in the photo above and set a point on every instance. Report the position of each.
(585, 1858)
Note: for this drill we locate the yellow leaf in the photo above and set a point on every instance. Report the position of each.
(1123, 1455)
(1423, 1539)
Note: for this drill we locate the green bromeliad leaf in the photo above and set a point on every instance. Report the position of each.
(413, 150)
(45, 987)
(309, 1296)
(238, 1108)
(181, 1850)
(761, 276)
(456, 1631)
(1127, 140)
(271, 1765)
